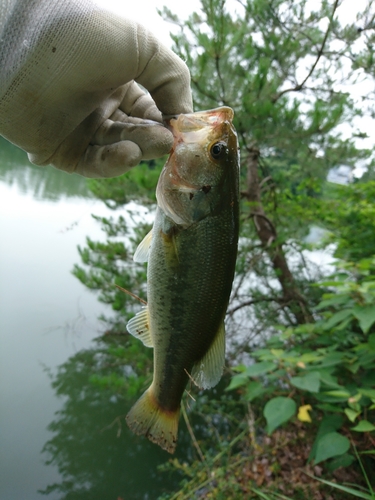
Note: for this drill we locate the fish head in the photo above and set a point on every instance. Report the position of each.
(201, 175)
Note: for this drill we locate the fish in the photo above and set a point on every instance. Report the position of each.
(191, 254)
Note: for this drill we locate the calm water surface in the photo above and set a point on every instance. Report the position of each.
(48, 319)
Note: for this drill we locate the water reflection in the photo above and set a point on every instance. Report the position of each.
(90, 453)
(39, 300)
(44, 183)
(96, 455)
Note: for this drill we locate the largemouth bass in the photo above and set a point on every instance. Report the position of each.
(191, 253)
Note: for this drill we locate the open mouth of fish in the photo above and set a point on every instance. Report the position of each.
(201, 127)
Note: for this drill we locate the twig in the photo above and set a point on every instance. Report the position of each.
(217, 64)
(299, 86)
(266, 179)
(117, 421)
(131, 295)
(251, 425)
(190, 377)
(252, 302)
(230, 445)
(191, 432)
(264, 217)
(205, 93)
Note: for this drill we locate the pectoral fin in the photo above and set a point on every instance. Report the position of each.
(141, 254)
(208, 371)
(139, 327)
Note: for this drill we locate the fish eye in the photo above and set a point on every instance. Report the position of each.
(218, 150)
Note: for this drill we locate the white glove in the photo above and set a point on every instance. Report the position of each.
(68, 91)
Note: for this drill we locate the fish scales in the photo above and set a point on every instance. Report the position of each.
(200, 287)
(191, 260)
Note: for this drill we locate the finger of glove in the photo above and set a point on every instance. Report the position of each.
(163, 74)
(152, 139)
(109, 161)
(120, 116)
(138, 103)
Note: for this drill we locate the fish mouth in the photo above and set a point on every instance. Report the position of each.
(202, 126)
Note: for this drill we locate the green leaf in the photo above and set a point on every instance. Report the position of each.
(370, 393)
(338, 394)
(239, 368)
(309, 382)
(329, 424)
(364, 426)
(277, 411)
(331, 283)
(342, 461)
(327, 379)
(331, 445)
(351, 414)
(337, 318)
(331, 359)
(326, 407)
(371, 341)
(309, 357)
(237, 381)
(365, 316)
(260, 368)
(254, 390)
(335, 300)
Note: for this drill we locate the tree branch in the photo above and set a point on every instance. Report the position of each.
(252, 302)
(267, 233)
(299, 86)
(217, 64)
(203, 91)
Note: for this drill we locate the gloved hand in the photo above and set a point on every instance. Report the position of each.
(69, 93)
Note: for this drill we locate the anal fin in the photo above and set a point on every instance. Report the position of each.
(208, 371)
(139, 327)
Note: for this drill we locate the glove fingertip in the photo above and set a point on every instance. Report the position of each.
(111, 160)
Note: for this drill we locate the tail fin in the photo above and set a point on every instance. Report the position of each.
(148, 419)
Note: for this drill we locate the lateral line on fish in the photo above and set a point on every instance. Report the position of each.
(131, 294)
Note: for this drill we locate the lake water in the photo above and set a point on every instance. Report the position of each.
(48, 318)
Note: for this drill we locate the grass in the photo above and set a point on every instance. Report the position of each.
(357, 492)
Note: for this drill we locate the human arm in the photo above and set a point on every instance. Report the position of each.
(71, 96)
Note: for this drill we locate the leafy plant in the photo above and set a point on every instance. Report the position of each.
(356, 492)
(327, 366)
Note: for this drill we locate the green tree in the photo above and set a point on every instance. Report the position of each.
(351, 224)
(278, 64)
